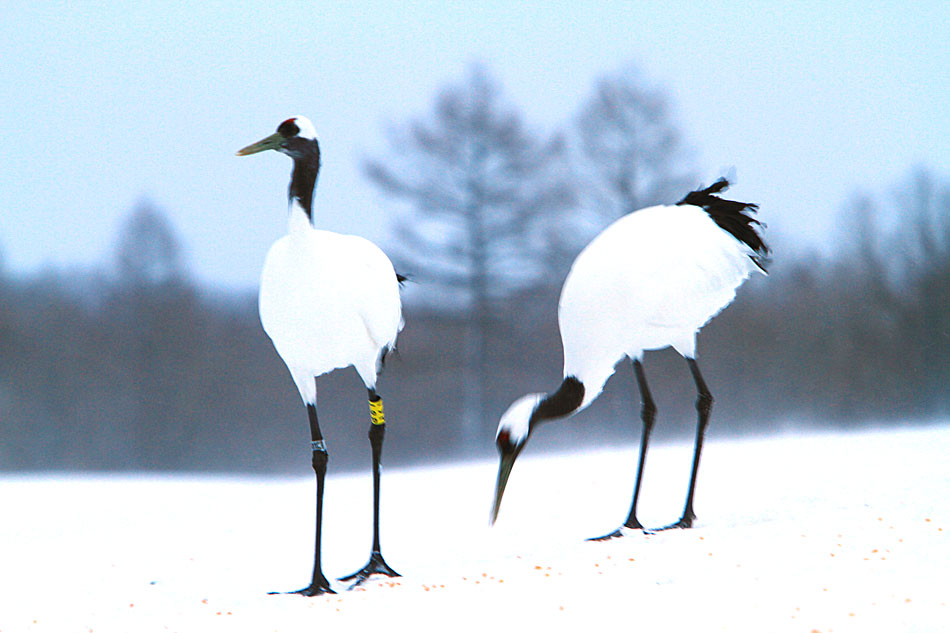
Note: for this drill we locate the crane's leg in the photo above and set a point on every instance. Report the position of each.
(704, 403)
(647, 415)
(377, 431)
(319, 584)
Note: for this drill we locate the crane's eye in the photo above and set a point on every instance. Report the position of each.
(504, 440)
(288, 129)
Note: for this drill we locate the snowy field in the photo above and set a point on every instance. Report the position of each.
(829, 533)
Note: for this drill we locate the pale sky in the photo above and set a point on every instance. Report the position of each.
(106, 104)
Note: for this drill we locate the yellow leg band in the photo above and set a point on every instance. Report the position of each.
(376, 412)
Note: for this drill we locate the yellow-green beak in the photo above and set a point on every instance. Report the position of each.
(271, 142)
(504, 470)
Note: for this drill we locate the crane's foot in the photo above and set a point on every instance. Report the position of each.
(376, 565)
(620, 532)
(683, 524)
(318, 587)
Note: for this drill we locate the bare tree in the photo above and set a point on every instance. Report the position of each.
(147, 251)
(924, 212)
(480, 187)
(632, 155)
(159, 332)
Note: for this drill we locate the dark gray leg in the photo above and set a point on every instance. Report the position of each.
(377, 432)
(647, 415)
(704, 403)
(319, 584)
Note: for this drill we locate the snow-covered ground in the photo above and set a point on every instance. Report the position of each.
(843, 532)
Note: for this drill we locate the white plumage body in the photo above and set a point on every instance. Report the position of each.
(328, 301)
(650, 280)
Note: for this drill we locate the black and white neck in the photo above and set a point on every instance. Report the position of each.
(297, 138)
(300, 143)
(565, 401)
(525, 413)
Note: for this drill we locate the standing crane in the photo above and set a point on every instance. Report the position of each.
(327, 301)
(650, 280)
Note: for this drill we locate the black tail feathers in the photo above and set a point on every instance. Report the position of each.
(732, 217)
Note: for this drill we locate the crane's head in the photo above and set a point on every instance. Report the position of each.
(295, 137)
(514, 428)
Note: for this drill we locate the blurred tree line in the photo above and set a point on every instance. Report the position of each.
(137, 367)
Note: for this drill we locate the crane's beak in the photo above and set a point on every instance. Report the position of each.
(507, 460)
(271, 142)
